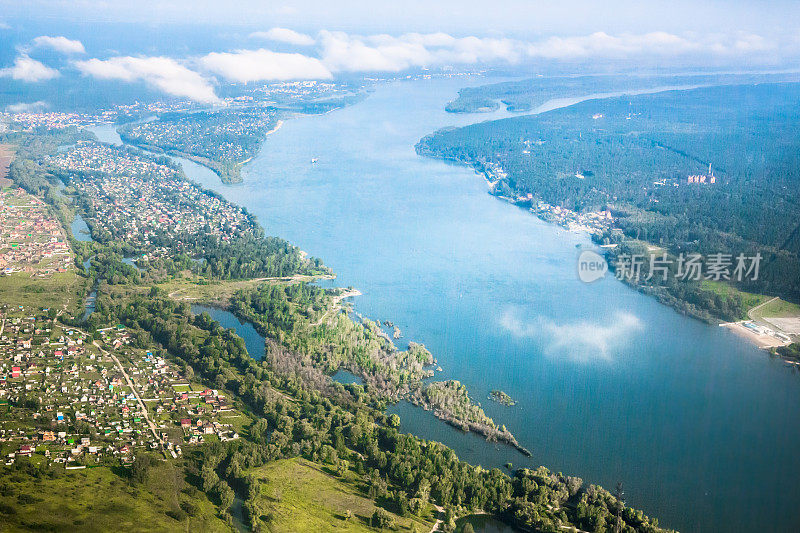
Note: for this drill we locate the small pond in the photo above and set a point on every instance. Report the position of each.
(252, 339)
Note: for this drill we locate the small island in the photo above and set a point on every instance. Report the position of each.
(502, 398)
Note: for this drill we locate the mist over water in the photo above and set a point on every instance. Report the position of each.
(611, 386)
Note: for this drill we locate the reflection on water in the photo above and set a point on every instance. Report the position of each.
(132, 262)
(89, 305)
(253, 341)
(346, 378)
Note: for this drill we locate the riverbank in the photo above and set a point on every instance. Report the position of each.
(595, 225)
(433, 252)
(392, 373)
(598, 157)
(760, 337)
(771, 324)
(368, 352)
(229, 173)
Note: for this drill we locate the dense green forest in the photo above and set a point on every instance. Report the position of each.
(521, 96)
(633, 155)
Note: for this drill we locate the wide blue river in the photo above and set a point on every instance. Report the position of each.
(701, 428)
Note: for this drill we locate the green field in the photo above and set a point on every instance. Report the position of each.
(778, 309)
(100, 499)
(298, 495)
(56, 291)
(197, 289)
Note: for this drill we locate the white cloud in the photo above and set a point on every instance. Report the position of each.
(25, 107)
(343, 52)
(338, 52)
(603, 45)
(4, 25)
(284, 35)
(29, 70)
(59, 44)
(258, 65)
(581, 341)
(162, 73)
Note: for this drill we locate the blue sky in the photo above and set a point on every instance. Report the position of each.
(522, 18)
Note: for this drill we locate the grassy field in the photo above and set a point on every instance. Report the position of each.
(300, 496)
(778, 309)
(98, 499)
(57, 291)
(6, 156)
(192, 288)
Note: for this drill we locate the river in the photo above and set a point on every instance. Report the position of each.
(611, 386)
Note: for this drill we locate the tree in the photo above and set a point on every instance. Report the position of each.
(140, 468)
(449, 520)
(620, 495)
(381, 519)
(209, 477)
(226, 495)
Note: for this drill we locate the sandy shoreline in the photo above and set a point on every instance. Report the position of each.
(760, 340)
(276, 128)
(270, 132)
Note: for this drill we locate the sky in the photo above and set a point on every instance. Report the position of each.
(188, 48)
(523, 18)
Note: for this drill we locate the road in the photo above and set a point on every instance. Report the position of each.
(146, 416)
(759, 306)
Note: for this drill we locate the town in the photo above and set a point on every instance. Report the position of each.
(144, 202)
(227, 135)
(31, 239)
(79, 399)
(55, 120)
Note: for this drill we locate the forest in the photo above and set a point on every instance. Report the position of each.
(524, 96)
(633, 155)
